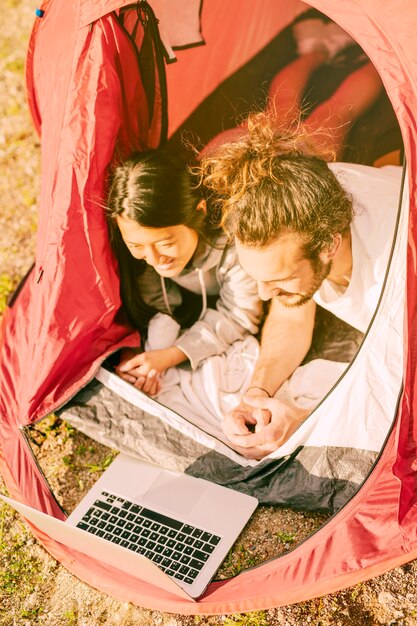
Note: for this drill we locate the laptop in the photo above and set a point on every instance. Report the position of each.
(169, 529)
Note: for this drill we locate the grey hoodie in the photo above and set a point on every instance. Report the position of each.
(214, 271)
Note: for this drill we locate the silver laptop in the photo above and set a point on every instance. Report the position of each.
(166, 528)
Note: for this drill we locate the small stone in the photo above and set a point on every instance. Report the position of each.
(385, 597)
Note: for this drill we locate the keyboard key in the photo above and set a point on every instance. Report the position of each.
(179, 576)
(124, 543)
(146, 532)
(125, 534)
(126, 505)
(158, 558)
(189, 541)
(82, 525)
(154, 536)
(206, 537)
(197, 533)
(201, 556)
(185, 559)
(135, 508)
(131, 517)
(113, 519)
(122, 513)
(150, 545)
(146, 523)
(159, 549)
(187, 529)
(100, 533)
(214, 540)
(188, 580)
(184, 569)
(176, 555)
(188, 550)
(175, 565)
(167, 552)
(129, 526)
(196, 564)
(208, 548)
(193, 573)
(134, 538)
(164, 530)
(155, 526)
(198, 544)
(102, 505)
(162, 519)
(172, 533)
(181, 537)
(170, 543)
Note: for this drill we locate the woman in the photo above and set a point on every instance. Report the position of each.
(174, 259)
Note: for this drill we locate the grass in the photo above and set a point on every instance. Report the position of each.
(20, 574)
(7, 286)
(285, 538)
(258, 618)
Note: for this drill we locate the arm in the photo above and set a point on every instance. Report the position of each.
(238, 313)
(260, 424)
(286, 339)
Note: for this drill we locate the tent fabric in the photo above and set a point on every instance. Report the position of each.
(87, 100)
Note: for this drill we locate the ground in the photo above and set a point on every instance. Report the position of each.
(34, 589)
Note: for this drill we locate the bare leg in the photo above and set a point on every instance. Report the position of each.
(358, 92)
(284, 97)
(288, 86)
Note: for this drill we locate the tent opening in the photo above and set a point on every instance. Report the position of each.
(352, 375)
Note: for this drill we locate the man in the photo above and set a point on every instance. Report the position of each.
(309, 233)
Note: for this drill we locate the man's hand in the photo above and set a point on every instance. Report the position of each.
(144, 370)
(244, 419)
(260, 425)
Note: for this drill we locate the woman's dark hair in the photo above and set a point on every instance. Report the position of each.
(155, 189)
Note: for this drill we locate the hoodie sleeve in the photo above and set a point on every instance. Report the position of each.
(238, 313)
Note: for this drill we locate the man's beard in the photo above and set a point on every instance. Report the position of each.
(320, 272)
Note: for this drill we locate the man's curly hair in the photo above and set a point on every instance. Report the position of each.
(273, 181)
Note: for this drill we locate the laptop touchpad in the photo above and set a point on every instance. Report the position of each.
(179, 493)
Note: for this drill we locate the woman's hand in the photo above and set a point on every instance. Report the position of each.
(144, 370)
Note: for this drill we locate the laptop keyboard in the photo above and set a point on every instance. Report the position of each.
(179, 549)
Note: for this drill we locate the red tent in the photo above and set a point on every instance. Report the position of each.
(89, 94)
